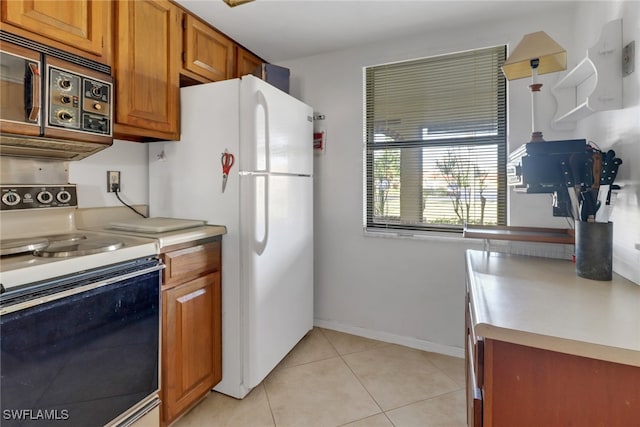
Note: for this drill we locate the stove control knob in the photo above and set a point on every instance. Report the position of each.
(63, 196)
(45, 197)
(10, 198)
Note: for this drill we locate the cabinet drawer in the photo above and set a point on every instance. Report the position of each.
(191, 262)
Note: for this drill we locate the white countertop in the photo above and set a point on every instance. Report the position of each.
(99, 219)
(176, 237)
(541, 302)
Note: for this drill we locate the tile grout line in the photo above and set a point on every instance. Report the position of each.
(264, 383)
(266, 394)
(438, 369)
(453, 380)
(359, 381)
(425, 400)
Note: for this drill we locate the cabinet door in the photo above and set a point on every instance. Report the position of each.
(207, 52)
(192, 350)
(246, 61)
(146, 70)
(79, 24)
(474, 393)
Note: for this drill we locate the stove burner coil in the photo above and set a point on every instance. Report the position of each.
(60, 245)
(18, 246)
(65, 237)
(64, 249)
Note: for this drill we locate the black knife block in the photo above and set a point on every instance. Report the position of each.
(594, 250)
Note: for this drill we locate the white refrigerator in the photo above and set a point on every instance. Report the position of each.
(267, 253)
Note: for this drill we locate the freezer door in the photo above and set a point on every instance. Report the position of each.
(277, 268)
(276, 130)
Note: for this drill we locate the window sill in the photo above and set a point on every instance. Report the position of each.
(430, 236)
(519, 247)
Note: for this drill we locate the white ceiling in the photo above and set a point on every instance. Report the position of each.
(279, 30)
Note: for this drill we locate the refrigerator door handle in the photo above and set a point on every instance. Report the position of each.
(262, 102)
(261, 244)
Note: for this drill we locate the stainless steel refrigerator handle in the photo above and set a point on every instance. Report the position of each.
(261, 245)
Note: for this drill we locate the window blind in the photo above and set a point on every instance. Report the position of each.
(435, 142)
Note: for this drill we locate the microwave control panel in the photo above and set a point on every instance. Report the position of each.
(79, 102)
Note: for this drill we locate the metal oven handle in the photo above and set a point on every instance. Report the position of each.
(48, 298)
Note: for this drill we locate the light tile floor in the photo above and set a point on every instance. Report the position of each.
(333, 379)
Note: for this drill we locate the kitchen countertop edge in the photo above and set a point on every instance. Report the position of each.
(561, 345)
(189, 235)
(99, 219)
(489, 321)
(175, 237)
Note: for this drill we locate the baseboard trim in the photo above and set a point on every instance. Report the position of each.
(391, 338)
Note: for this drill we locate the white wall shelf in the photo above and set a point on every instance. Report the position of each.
(595, 84)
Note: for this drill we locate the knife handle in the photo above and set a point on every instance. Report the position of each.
(610, 171)
(597, 169)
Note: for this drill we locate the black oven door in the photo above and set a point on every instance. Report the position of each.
(80, 351)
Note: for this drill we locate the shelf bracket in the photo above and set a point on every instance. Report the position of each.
(595, 84)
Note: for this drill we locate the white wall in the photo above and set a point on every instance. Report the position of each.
(410, 290)
(90, 175)
(618, 129)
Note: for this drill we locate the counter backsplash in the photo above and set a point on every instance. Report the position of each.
(544, 250)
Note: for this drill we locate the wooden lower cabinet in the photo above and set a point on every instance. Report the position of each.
(516, 385)
(527, 386)
(192, 329)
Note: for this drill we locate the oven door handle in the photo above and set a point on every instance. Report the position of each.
(73, 291)
(33, 92)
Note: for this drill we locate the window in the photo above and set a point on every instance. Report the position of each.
(435, 142)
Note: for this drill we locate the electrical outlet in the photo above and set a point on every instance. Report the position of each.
(113, 181)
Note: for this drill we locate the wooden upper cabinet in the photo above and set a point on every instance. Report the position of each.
(246, 62)
(208, 54)
(82, 27)
(147, 61)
